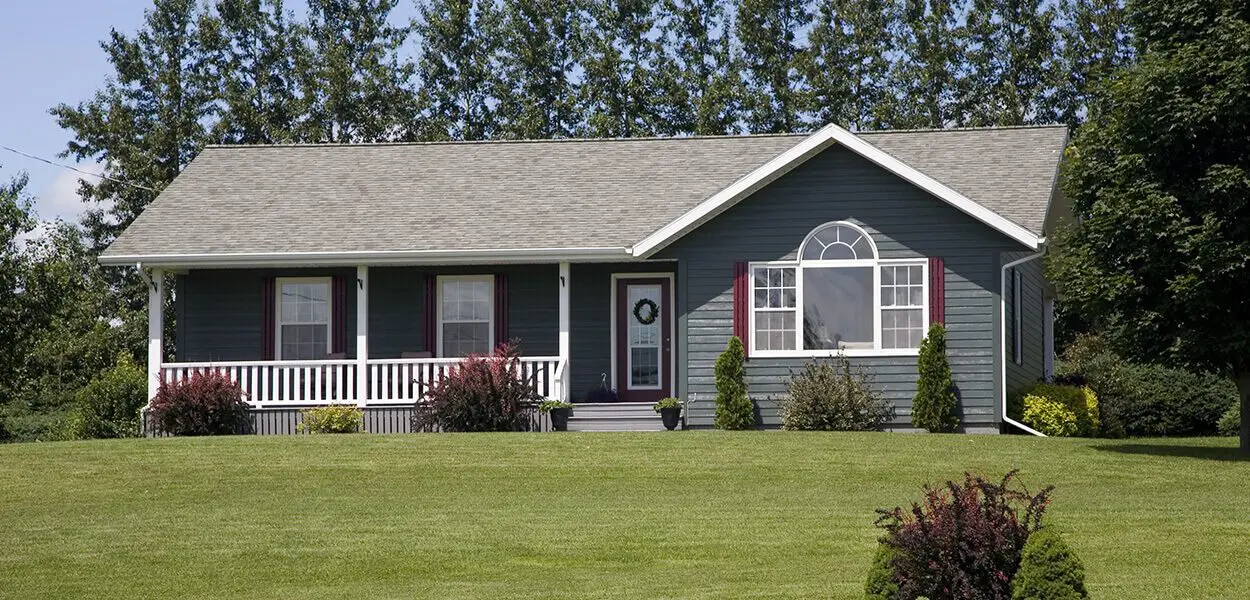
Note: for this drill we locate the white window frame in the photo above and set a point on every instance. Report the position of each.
(1017, 320)
(438, 300)
(799, 265)
(277, 312)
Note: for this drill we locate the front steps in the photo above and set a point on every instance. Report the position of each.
(615, 416)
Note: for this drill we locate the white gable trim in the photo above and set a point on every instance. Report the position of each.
(810, 146)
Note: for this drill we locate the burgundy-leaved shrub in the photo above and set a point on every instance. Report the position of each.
(206, 403)
(963, 541)
(482, 393)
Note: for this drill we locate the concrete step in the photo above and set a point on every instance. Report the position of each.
(622, 416)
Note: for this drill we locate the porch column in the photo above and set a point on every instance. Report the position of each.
(156, 328)
(564, 329)
(362, 334)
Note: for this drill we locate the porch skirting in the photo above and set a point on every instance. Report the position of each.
(377, 419)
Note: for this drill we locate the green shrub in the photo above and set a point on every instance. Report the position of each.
(830, 395)
(880, 584)
(1230, 423)
(666, 403)
(734, 409)
(109, 405)
(206, 403)
(933, 407)
(336, 418)
(1049, 570)
(547, 406)
(1061, 410)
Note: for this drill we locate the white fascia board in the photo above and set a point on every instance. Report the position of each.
(800, 153)
(397, 257)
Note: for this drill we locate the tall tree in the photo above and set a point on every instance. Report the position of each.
(1010, 55)
(1161, 178)
(772, 52)
(16, 221)
(620, 59)
(536, 91)
(354, 83)
(700, 78)
(459, 55)
(1094, 42)
(847, 67)
(922, 88)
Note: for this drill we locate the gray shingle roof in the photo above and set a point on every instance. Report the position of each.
(526, 195)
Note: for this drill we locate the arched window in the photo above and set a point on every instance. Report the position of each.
(839, 295)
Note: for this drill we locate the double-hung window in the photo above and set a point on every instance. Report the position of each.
(303, 318)
(466, 315)
(838, 295)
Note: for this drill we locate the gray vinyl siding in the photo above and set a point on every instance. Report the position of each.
(904, 221)
(1032, 367)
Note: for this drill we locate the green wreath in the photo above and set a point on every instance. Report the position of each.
(652, 312)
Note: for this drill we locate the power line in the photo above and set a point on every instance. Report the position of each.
(64, 166)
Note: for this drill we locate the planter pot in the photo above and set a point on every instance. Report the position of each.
(560, 418)
(671, 417)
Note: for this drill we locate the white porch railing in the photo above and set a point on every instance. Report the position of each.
(389, 381)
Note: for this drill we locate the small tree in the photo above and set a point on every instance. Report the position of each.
(1049, 569)
(734, 409)
(933, 408)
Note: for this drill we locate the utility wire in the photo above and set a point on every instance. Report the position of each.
(63, 166)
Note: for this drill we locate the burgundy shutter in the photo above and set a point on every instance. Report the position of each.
(268, 324)
(501, 308)
(742, 305)
(338, 314)
(431, 314)
(937, 290)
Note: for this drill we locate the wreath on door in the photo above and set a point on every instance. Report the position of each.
(652, 311)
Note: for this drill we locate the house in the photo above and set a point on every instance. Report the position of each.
(357, 273)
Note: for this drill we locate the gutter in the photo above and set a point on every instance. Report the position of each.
(376, 258)
(1002, 338)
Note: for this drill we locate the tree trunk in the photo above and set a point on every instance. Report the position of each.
(1243, 386)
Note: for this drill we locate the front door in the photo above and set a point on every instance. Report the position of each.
(644, 333)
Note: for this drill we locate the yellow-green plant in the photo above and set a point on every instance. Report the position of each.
(336, 418)
(1061, 410)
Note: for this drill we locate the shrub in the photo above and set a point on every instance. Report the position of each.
(336, 418)
(831, 395)
(1230, 423)
(1061, 410)
(206, 403)
(547, 406)
(734, 409)
(482, 393)
(108, 406)
(964, 540)
(880, 584)
(1049, 570)
(666, 403)
(933, 407)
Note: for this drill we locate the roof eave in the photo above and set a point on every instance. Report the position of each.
(374, 258)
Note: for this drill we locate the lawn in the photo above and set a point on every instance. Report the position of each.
(645, 515)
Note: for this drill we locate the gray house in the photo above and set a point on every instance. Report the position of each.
(318, 274)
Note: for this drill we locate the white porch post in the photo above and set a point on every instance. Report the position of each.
(362, 334)
(564, 329)
(156, 329)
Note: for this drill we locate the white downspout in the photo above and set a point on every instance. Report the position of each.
(1002, 337)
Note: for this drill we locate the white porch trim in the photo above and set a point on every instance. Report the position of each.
(156, 328)
(362, 334)
(566, 343)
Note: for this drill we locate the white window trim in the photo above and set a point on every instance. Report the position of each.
(277, 311)
(876, 265)
(438, 300)
(1017, 321)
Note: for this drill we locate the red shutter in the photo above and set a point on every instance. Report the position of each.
(742, 305)
(338, 314)
(268, 320)
(937, 290)
(431, 314)
(501, 308)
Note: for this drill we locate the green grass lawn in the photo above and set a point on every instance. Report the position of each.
(646, 515)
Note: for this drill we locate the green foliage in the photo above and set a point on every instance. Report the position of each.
(933, 407)
(768, 33)
(667, 403)
(734, 409)
(880, 584)
(108, 406)
(335, 418)
(1049, 569)
(547, 406)
(1230, 423)
(1061, 410)
(831, 395)
(460, 44)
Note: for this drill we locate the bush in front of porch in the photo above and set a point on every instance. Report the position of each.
(206, 403)
(481, 393)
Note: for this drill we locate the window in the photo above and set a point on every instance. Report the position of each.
(1017, 323)
(465, 315)
(303, 318)
(838, 295)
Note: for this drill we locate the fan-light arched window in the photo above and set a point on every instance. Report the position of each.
(839, 294)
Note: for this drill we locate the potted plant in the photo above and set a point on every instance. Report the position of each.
(670, 412)
(560, 413)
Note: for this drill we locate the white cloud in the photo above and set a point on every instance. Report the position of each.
(59, 199)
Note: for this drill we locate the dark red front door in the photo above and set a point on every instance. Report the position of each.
(644, 334)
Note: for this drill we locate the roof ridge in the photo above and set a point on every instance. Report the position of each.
(949, 129)
(673, 138)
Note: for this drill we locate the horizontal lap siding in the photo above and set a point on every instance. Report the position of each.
(904, 223)
(1032, 283)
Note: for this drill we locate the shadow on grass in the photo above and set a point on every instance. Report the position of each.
(1224, 453)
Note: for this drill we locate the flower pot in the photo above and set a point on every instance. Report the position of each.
(560, 418)
(671, 417)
